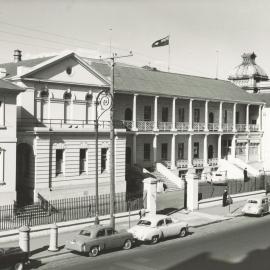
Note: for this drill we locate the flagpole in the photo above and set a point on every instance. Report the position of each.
(169, 54)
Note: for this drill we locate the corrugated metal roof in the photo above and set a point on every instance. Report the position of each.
(140, 80)
(10, 86)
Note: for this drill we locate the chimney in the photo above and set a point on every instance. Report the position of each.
(17, 56)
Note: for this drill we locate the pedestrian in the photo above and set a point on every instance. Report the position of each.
(142, 213)
(164, 187)
(224, 198)
(245, 175)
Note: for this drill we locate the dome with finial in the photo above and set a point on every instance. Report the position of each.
(248, 69)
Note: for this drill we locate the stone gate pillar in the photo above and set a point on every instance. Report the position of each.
(150, 187)
(192, 190)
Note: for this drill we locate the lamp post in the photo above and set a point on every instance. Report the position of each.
(104, 99)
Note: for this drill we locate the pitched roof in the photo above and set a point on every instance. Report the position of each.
(12, 67)
(10, 86)
(265, 97)
(140, 80)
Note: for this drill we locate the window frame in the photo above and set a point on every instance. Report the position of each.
(146, 151)
(147, 113)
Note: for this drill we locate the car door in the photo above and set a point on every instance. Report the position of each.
(162, 228)
(101, 238)
(172, 228)
(112, 238)
(265, 205)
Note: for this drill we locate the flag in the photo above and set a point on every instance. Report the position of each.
(161, 42)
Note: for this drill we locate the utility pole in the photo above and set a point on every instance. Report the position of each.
(112, 138)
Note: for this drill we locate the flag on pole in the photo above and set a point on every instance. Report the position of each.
(161, 42)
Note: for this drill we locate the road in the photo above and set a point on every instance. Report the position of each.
(240, 243)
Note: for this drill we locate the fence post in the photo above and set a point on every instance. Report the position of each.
(53, 238)
(24, 239)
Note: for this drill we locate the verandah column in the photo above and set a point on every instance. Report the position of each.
(190, 115)
(173, 114)
(156, 114)
(155, 149)
(134, 113)
(260, 117)
(134, 149)
(247, 117)
(190, 151)
(219, 146)
(233, 147)
(206, 116)
(205, 151)
(220, 116)
(173, 152)
(234, 117)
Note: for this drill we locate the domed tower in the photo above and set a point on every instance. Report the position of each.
(248, 74)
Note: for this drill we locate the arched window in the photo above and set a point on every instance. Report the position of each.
(128, 114)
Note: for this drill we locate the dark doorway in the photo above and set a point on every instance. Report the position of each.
(210, 151)
(211, 118)
(25, 174)
(128, 114)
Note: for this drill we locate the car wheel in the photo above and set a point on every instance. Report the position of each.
(155, 239)
(127, 244)
(18, 266)
(94, 251)
(183, 232)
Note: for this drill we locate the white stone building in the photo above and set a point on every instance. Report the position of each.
(173, 120)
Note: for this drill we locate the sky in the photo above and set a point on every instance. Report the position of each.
(207, 37)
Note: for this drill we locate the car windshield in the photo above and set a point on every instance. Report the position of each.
(144, 222)
(85, 233)
(252, 201)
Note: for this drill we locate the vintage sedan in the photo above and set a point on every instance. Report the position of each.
(12, 258)
(94, 239)
(256, 206)
(152, 228)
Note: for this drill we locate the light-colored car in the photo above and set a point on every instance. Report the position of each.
(93, 239)
(217, 178)
(155, 227)
(257, 206)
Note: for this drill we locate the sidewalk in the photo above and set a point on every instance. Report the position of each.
(202, 217)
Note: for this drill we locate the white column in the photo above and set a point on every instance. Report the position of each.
(233, 147)
(234, 117)
(134, 149)
(206, 116)
(260, 151)
(190, 151)
(156, 114)
(205, 151)
(219, 146)
(220, 116)
(49, 108)
(192, 191)
(134, 113)
(260, 117)
(247, 117)
(173, 152)
(173, 114)
(150, 187)
(155, 149)
(247, 151)
(190, 115)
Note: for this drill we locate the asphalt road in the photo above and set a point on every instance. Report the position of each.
(241, 243)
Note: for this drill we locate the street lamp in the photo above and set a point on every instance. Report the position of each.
(104, 99)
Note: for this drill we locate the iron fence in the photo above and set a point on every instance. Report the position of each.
(46, 212)
(211, 190)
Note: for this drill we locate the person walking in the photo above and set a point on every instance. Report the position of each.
(142, 213)
(224, 198)
(245, 175)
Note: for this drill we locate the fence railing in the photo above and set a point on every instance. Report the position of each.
(211, 190)
(213, 126)
(46, 212)
(165, 126)
(198, 126)
(145, 125)
(182, 126)
(227, 127)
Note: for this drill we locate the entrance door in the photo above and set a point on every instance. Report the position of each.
(210, 151)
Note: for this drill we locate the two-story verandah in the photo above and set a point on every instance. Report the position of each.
(186, 132)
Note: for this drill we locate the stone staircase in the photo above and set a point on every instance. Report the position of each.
(170, 185)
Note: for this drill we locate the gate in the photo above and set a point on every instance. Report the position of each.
(170, 201)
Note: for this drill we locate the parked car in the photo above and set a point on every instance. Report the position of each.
(217, 178)
(155, 227)
(256, 206)
(12, 258)
(94, 239)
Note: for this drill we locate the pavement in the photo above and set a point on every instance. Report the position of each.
(202, 217)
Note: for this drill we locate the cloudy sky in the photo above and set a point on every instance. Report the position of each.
(200, 30)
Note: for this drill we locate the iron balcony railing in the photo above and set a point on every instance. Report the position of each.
(145, 125)
(197, 162)
(241, 127)
(227, 126)
(197, 126)
(253, 127)
(182, 126)
(213, 126)
(28, 123)
(165, 126)
(182, 163)
(213, 162)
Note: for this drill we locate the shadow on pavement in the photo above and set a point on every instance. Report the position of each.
(168, 211)
(255, 259)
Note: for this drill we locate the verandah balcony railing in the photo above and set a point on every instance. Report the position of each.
(182, 163)
(253, 127)
(227, 126)
(28, 123)
(182, 126)
(165, 126)
(213, 162)
(241, 127)
(145, 125)
(213, 126)
(197, 162)
(197, 126)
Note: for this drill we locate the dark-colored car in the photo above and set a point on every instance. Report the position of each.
(12, 258)
(93, 239)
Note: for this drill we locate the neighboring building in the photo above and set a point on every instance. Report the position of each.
(253, 79)
(179, 120)
(8, 140)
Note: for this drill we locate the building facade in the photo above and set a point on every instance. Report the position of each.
(178, 120)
